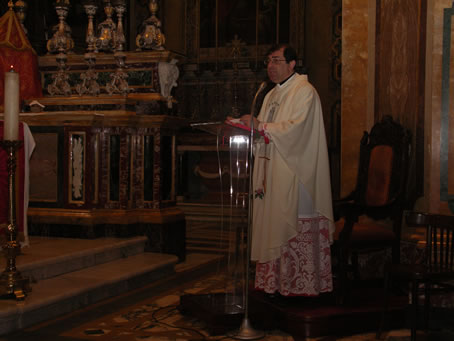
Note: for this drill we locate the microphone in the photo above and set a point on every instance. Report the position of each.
(262, 86)
(260, 89)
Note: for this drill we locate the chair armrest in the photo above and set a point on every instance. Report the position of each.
(341, 206)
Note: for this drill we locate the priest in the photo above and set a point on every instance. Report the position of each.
(292, 209)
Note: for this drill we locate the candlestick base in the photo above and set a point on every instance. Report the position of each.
(14, 285)
(11, 280)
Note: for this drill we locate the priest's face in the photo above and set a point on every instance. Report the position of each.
(278, 68)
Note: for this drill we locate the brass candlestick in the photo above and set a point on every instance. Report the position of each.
(89, 84)
(11, 280)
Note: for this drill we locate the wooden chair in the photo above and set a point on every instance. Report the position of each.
(433, 273)
(379, 195)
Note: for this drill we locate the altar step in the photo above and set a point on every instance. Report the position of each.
(48, 257)
(67, 274)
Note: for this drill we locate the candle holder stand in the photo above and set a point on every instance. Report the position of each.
(11, 281)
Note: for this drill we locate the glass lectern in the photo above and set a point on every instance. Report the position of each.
(229, 308)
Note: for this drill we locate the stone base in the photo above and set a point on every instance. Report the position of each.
(163, 238)
(166, 229)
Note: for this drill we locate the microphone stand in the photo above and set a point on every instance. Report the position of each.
(246, 331)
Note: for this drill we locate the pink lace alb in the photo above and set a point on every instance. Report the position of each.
(304, 268)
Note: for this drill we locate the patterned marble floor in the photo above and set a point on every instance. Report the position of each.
(151, 313)
(156, 318)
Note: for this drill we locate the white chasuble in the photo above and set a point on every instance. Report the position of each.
(297, 155)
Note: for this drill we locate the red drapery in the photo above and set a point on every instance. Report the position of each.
(16, 51)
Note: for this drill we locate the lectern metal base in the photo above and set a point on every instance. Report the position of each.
(223, 314)
(246, 332)
(219, 311)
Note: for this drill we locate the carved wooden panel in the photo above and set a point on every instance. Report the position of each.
(399, 77)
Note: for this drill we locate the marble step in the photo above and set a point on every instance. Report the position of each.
(57, 295)
(47, 257)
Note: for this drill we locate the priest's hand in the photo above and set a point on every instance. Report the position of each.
(246, 120)
(230, 118)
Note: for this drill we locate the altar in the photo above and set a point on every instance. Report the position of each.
(98, 173)
(105, 156)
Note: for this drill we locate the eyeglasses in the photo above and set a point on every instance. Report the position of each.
(274, 61)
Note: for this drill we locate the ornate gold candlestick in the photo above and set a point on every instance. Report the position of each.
(11, 280)
(89, 84)
(120, 8)
(151, 36)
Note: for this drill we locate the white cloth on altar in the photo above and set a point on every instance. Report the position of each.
(293, 165)
(29, 146)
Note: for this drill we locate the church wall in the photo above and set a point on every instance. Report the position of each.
(433, 119)
(322, 58)
(355, 84)
(172, 25)
(368, 69)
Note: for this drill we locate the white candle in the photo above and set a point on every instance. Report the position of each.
(11, 99)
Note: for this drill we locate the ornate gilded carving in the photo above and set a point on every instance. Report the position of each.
(90, 39)
(120, 8)
(89, 84)
(151, 36)
(61, 41)
(60, 84)
(106, 30)
(118, 83)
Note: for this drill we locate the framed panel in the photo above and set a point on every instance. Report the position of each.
(96, 149)
(447, 111)
(46, 171)
(167, 170)
(76, 167)
(148, 167)
(114, 167)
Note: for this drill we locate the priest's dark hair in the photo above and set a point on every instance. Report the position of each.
(289, 52)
